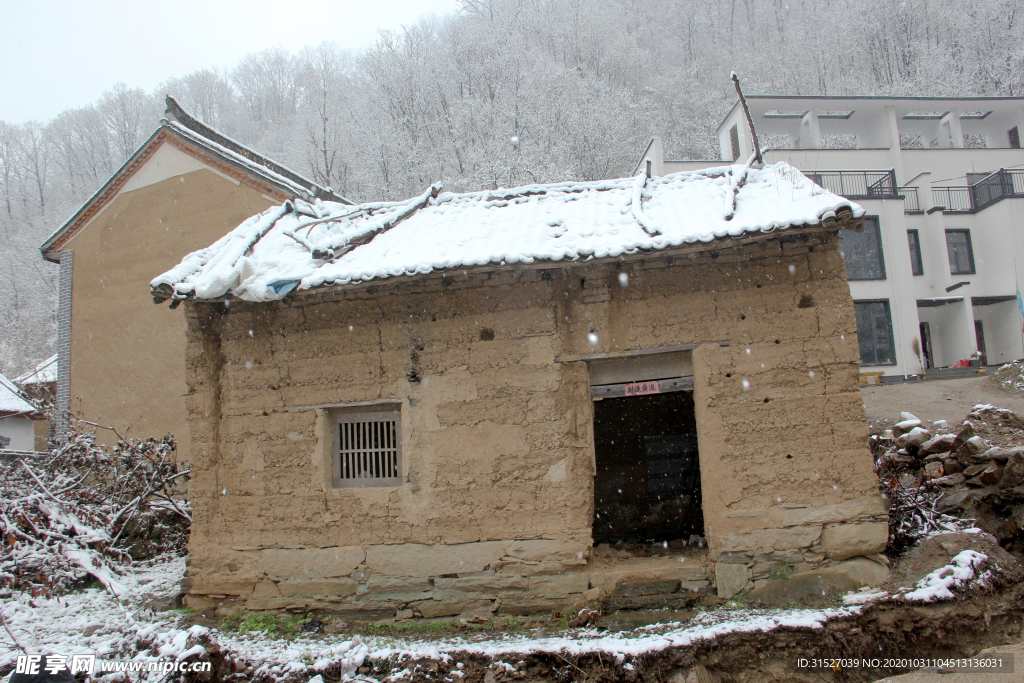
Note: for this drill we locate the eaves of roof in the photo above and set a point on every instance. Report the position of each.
(221, 153)
(825, 98)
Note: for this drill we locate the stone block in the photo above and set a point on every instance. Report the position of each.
(398, 590)
(1013, 473)
(772, 539)
(198, 602)
(999, 454)
(971, 447)
(527, 606)
(318, 587)
(815, 587)
(915, 437)
(369, 610)
(693, 586)
(730, 578)
(635, 588)
(559, 585)
(849, 540)
(308, 563)
(480, 587)
(544, 550)
(517, 568)
(867, 506)
(420, 560)
(937, 444)
(648, 602)
(222, 584)
(933, 470)
(431, 609)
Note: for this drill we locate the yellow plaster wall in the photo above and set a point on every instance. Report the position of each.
(127, 354)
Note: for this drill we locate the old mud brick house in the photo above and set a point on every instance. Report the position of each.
(119, 359)
(440, 405)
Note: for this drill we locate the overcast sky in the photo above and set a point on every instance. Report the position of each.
(58, 54)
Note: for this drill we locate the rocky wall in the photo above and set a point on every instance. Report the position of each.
(490, 371)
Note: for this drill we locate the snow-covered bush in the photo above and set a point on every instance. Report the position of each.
(1011, 376)
(85, 509)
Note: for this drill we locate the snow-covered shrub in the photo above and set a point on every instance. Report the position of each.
(1011, 376)
(85, 509)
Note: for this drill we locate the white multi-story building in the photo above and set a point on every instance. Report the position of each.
(934, 276)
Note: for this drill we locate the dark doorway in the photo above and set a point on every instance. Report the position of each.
(979, 334)
(926, 345)
(647, 486)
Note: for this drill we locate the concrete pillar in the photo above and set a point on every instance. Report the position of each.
(1016, 120)
(892, 130)
(657, 156)
(810, 133)
(951, 126)
(965, 337)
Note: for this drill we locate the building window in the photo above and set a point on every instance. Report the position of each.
(916, 265)
(863, 251)
(734, 140)
(1014, 135)
(961, 255)
(367, 446)
(874, 331)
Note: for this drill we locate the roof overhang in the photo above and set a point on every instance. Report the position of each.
(204, 145)
(759, 104)
(719, 248)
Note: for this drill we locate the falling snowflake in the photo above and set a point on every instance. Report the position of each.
(592, 337)
(746, 384)
(624, 279)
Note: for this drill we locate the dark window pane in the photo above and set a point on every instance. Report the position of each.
(916, 265)
(1014, 134)
(863, 252)
(961, 255)
(874, 332)
(734, 140)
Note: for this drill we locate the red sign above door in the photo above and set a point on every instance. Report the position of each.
(642, 388)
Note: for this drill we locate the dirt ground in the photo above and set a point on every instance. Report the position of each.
(949, 399)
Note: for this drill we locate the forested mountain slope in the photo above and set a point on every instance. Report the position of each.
(498, 93)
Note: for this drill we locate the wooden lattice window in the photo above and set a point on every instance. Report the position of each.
(367, 446)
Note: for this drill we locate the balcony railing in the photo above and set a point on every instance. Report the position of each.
(982, 194)
(953, 199)
(858, 184)
(910, 202)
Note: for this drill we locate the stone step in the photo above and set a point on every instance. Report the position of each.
(648, 602)
(627, 621)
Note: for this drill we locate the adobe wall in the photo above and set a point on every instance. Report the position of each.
(496, 506)
(126, 354)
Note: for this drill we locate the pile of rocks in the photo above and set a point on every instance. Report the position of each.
(976, 470)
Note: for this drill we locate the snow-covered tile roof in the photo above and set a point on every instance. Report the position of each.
(302, 246)
(12, 402)
(44, 373)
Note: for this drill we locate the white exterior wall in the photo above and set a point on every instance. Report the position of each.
(997, 231)
(21, 432)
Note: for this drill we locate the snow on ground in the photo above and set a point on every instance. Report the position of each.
(92, 622)
(89, 621)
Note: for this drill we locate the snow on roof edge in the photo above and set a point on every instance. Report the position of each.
(778, 197)
(40, 374)
(12, 401)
